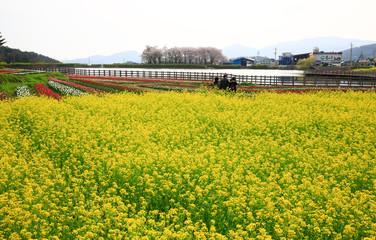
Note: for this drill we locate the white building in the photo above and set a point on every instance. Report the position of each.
(330, 58)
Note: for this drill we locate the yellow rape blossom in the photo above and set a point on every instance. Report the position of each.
(189, 166)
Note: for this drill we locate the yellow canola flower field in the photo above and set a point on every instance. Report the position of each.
(189, 166)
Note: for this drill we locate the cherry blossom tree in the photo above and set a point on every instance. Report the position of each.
(152, 55)
(188, 55)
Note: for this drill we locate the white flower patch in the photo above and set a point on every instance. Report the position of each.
(22, 91)
(66, 90)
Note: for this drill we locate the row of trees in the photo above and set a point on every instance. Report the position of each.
(188, 55)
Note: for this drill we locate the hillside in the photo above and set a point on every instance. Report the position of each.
(11, 55)
(366, 50)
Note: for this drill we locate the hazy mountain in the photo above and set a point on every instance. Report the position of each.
(366, 50)
(238, 50)
(327, 44)
(122, 57)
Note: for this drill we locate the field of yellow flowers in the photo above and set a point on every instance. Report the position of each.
(189, 166)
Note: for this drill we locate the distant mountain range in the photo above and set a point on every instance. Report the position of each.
(122, 57)
(327, 44)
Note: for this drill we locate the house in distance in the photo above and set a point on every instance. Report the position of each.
(286, 59)
(243, 61)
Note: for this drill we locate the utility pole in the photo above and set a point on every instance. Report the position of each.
(275, 54)
(351, 46)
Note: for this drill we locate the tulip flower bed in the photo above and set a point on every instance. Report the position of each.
(7, 71)
(3, 95)
(107, 86)
(95, 85)
(180, 165)
(173, 85)
(161, 84)
(138, 79)
(169, 87)
(22, 91)
(64, 89)
(45, 91)
(78, 86)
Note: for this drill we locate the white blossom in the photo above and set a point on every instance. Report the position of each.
(22, 91)
(66, 90)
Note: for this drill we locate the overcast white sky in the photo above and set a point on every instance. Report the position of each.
(68, 29)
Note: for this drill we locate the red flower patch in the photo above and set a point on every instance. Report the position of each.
(45, 91)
